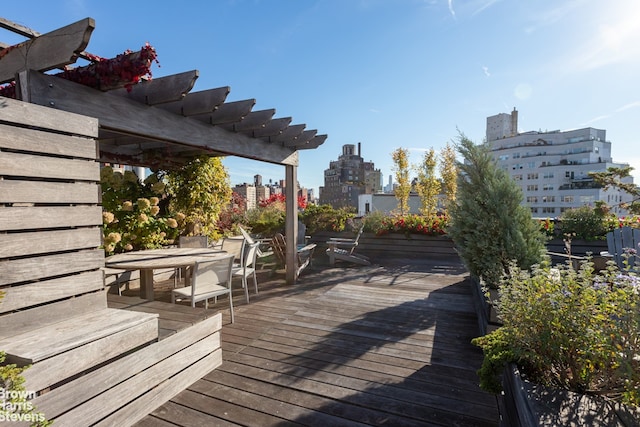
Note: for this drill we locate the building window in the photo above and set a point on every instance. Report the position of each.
(532, 199)
(532, 176)
(547, 187)
(566, 199)
(531, 165)
(532, 188)
(548, 175)
(517, 177)
(548, 210)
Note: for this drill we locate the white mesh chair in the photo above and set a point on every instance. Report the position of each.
(188, 242)
(210, 279)
(248, 268)
(234, 245)
(250, 240)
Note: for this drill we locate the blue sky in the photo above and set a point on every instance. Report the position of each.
(387, 73)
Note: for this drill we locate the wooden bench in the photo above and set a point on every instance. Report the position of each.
(53, 311)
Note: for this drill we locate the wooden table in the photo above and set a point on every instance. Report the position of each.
(148, 260)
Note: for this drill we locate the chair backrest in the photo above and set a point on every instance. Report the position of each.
(302, 233)
(214, 272)
(250, 254)
(234, 245)
(619, 241)
(193, 242)
(246, 236)
(279, 247)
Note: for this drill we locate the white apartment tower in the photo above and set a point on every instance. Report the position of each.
(552, 168)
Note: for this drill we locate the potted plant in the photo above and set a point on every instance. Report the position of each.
(570, 342)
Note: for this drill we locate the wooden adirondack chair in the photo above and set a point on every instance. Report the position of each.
(343, 249)
(304, 253)
(619, 242)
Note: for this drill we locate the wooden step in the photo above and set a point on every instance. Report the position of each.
(60, 350)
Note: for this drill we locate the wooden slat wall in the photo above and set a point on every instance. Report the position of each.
(50, 215)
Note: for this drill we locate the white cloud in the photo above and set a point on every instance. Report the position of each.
(625, 107)
(547, 17)
(628, 106)
(484, 4)
(453, 12)
(486, 71)
(596, 119)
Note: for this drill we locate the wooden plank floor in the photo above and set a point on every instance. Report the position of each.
(345, 347)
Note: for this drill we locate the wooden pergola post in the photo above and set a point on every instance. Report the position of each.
(291, 226)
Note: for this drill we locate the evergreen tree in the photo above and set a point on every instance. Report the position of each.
(489, 226)
(620, 179)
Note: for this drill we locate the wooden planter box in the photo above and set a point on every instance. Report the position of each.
(527, 405)
(393, 244)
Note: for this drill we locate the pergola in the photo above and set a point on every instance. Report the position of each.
(159, 123)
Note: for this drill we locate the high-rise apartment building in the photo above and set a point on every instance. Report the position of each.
(348, 177)
(248, 192)
(552, 168)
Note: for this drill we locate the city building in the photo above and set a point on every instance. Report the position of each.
(248, 192)
(348, 177)
(263, 192)
(552, 168)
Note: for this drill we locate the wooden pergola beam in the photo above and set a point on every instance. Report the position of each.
(48, 51)
(161, 90)
(253, 120)
(288, 134)
(202, 102)
(125, 116)
(274, 127)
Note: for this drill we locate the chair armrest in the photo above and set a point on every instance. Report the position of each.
(336, 244)
(307, 248)
(340, 239)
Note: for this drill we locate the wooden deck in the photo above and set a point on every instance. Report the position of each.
(345, 347)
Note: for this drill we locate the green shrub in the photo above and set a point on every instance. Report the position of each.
(14, 405)
(374, 222)
(568, 329)
(381, 224)
(266, 221)
(326, 218)
(584, 222)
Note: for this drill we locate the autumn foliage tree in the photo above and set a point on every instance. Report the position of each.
(449, 175)
(427, 184)
(401, 169)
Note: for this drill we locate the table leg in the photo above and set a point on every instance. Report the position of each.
(146, 284)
